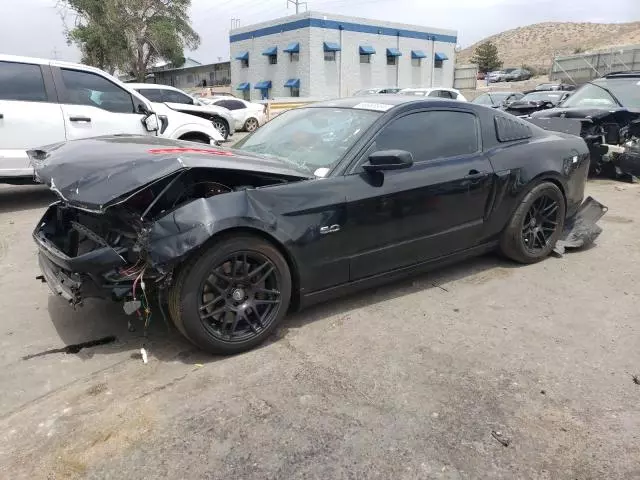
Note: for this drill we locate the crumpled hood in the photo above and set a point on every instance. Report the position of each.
(587, 112)
(96, 173)
(213, 109)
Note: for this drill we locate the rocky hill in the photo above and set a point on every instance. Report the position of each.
(535, 45)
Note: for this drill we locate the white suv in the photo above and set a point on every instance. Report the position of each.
(45, 101)
(177, 100)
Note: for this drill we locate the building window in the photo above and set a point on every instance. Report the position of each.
(437, 63)
(365, 58)
(416, 62)
(392, 60)
(190, 79)
(295, 91)
(273, 59)
(295, 56)
(329, 56)
(244, 63)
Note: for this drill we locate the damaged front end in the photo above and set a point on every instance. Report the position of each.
(613, 137)
(95, 244)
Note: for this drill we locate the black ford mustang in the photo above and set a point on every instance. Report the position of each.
(322, 200)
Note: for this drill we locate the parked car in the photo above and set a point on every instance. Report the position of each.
(555, 86)
(247, 116)
(535, 101)
(375, 91)
(45, 102)
(606, 113)
(441, 92)
(497, 76)
(497, 99)
(177, 100)
(517, 74)
(234, 239)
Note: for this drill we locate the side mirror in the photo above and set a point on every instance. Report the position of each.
(150, 122)
(388, 160)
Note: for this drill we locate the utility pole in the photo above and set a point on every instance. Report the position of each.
(54, 52)
(297, 3)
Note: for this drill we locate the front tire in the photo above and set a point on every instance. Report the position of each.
(535, 226)
(232, 296)
(222, 127)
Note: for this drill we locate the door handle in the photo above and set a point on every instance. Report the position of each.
(80, 119)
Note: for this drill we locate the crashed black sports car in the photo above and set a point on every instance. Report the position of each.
(606, 113)
(535, 101)
(321, 201)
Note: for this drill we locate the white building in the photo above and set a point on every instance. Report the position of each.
(326, 56)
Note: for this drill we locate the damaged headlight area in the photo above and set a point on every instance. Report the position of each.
(139, 239)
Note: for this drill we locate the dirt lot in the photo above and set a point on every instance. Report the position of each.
(407, 381)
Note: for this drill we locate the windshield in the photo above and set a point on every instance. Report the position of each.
(626, 90)
(483, 99)
(309, 138)
(543, 97)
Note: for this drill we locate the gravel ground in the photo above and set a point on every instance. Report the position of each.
(405, 381)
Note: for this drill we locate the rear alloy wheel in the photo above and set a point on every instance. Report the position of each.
(233, 296)
(251, 125)
(536, 225)
(222, 127)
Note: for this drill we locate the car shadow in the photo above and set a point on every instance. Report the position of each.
(24, 197)
(103, 325)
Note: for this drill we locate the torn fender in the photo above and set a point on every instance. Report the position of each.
(180, 232)
(581, 230)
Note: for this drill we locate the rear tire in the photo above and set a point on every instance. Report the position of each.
(217, 305)
(535, 226)
(251, 125)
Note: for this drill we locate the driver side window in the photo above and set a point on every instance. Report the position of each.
(430, 135)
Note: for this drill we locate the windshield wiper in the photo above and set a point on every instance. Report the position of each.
(609, 92)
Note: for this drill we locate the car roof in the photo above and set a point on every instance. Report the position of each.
(622, 74)
(382, 103)
(154, 86)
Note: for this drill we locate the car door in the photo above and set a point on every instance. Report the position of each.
(30, 115)
(398, 218)
(93, 105)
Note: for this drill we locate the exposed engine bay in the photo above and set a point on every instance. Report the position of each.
(613, 137)
(121, 242)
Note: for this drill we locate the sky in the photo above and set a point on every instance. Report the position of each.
(35, 27)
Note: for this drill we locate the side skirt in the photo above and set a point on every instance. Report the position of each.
(393, 275)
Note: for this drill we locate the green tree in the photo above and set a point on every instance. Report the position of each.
(486, 57)
(131, 35)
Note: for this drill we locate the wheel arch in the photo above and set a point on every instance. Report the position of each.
(275, 242)
(195, 135)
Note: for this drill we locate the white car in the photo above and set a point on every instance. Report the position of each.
(248, 116)
(375, 91)
(177, 100)
(441, 92)
(43, 102)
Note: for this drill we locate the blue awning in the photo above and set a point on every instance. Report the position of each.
(417, 54)
(441, 56)
(367, 50)
(264, 85)
(244, 86)
(293, 48)
(243, 56)
(293, 83)
(393, 52)
(271, 51)
(331, 47)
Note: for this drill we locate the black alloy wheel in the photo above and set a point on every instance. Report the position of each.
(231, 296)
(240, 297)
(540, 223)
(536, 225)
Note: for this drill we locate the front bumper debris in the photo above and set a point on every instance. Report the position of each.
(581, 230)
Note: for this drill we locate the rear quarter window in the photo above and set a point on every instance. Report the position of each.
(511, 129)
